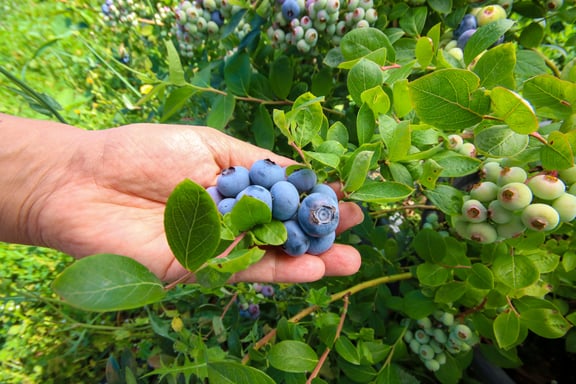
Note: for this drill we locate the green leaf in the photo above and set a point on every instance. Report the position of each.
(550, 96)
(515, 111)
(192, 224)
(432, 275)
(431, 171)
(480, 277)
(416, 305)
(175, 70)
(223, 372)
(330, 159)
(347, 350)
(281, 76)
(360, 42)
(506, 329)
(272, 233)
(396, 137)
(545, 261)
(450, 292)
(484, 37)
(429, 245)
(176, 101)
(376, 99)
(382, 192)
(364, 75)
(305, 119)
(237, 73)
(292, 356)
(496, 67)
(446, 198)
(532, 35)
(249, 212)
(441, 6)
(515, 271)
(569, 261)
(499, 141)
(447, 99)
(365, 124)
(424, 51)
(263, 128)
(545, 322)
(238, 260)
(358, 171)
(107, 282)
(412, 22)
(401, 94)
(211, 278)
(222, 111)
(557, 153)
(456, 165)
(338, 132)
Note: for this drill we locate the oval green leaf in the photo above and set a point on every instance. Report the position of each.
(515, 111)
(515, 271)
(506, 329)
(499, 141)
(108, 282)
(364, 75)
(293, 356)
(382, 192)
(228, 372)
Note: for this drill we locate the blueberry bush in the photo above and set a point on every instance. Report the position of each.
(451, 123)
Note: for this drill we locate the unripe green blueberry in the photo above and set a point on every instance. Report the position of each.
(540, 217)
(568, 175)
(468, 149)
(572, 189)
(436, 346)
(311, 36)
(367, 4)
(421, 336)
(371, 15)
(484, 191)
(462, 332)
(565, 205)
(426, 352)
(490, 14)
(447, 319)
(514, 196)
(546, 187)
(553, 5)
(415, 346)
(455, 142)
(483, 233)
(456, 53)
(303, 46)
(440, 336)
(408, 336)
(441, 358)
(363, 24)
(432, 365)
(507, 5)
(460, 225)
(498, 214)
(424, 323)
(474, 211)
(511, 175)
(514, 228)
(212, 28)
(490, 171)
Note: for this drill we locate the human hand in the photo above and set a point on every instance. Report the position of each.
(112, 195)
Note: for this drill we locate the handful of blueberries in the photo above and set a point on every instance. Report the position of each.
(308, 209)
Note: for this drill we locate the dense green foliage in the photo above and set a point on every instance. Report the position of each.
(383, 96)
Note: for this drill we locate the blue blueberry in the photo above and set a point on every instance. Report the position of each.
(258, 192)
(325, 189)
(285, 200)
(254, 311)
(304, 179)
(216, 17)
(464, 37)
(297, 242)
(468, 22)
(106, 9)
(290, 9)
(214, 194)
(267, 291)
(319, 245)
(233, 180)
(318, 214)
(226, 205)
(266, 173)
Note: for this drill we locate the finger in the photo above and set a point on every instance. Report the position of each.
(350, 215)
(341, 260)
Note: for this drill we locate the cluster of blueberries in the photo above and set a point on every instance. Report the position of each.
(303, 23)
(508, 201)
(252, 310)
(122, 12)
(478, 17)
(432, 337)
(308, 210)
(197, 21)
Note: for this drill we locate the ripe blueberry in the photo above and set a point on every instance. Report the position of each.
(325, 189)
(464, 37)
(216, 17)
(468, 22)
(285, 200)
(319, 245)
(318, 214)
(258, 192)
(290, 9)
(266, 173)
(297, 242)
(214, 194)
(226, 205)
(304, 179)
(232, 180)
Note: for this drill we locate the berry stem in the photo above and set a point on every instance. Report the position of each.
(326, 352)
(539, 137)
(335, 297)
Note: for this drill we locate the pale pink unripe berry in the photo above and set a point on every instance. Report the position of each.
(565, 205)
(540, 217)
(546, 187)
(474, 211)
(514, 196)
(485, 191)
(483, 233)
(512, 175)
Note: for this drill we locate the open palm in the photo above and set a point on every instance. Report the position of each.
(112, 196)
